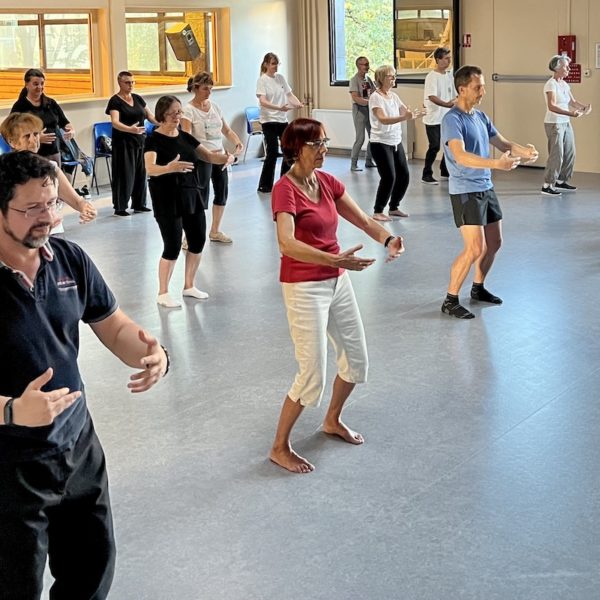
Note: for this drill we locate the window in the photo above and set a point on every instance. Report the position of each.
(402, 33)
(57, 43)
(421, 26)
(359, 28)
(152, 35)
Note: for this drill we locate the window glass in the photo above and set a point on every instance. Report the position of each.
(19, 45)
(360, 28)
(418, 32)
(142, 47)
(67, 47)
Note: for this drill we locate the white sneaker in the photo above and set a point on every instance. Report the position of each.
(194, 292)
(167, 301)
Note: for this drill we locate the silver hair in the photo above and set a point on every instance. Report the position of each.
(555, 61)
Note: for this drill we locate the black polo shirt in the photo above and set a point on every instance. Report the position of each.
(39, 328)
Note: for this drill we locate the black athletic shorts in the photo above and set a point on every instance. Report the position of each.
(476, 208)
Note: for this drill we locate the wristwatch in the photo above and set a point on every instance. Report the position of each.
(8, 412)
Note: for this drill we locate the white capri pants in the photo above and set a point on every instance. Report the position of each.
(317, 310)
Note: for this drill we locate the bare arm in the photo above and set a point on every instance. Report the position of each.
(405, 114)
(356, 97)
(473, 161)
(186, 125)
(349, 210)
(216, 158)
(116, 123)
(262, 100)
(437, 100)
(528, 152)
(175, 166)
(68, 195)
(294, 101)
(133, 346)
(232, 136)
(290, 246)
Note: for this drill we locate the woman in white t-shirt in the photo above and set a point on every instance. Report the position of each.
(560, 106)
(204, 120)
(386, 112)
(276, 99)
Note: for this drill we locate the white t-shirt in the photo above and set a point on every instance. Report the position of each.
(562, 97)
(391, 106)
(275, 89)
(206, 125)
(442, 86)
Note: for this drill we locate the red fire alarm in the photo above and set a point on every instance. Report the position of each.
(566, 45)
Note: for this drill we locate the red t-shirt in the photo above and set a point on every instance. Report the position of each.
(315, 225)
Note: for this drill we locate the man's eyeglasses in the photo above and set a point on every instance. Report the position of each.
(39, 210)
(319, 143)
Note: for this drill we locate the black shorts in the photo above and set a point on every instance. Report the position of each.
(476, 208)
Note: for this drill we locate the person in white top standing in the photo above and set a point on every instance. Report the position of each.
(386, 112)
(560, 106)
(439, 97)
(204, 120)
(276, 99)
(361, 87)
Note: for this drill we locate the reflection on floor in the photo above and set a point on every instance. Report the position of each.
(479, 478)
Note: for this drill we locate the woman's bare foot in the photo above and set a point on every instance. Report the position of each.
(343, 431)
(291, 461)
(398, 213)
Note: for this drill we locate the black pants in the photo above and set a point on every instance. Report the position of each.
(57, 507)
(272, 133)
(171, 229)
(393, 170)
(128, 174)
(433, 136)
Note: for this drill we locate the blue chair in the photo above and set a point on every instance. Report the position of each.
(253, 127)
(101, 130)
(149, 126)
(4, 146)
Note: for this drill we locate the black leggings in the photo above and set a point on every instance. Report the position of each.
(171, 229)
(272, 133)
(393, 170)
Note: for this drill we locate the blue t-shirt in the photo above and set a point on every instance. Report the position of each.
(475, 130)
(39, 328)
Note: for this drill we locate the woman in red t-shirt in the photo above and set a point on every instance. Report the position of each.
(317, 291)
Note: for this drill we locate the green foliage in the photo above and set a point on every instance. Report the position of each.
(369, 31)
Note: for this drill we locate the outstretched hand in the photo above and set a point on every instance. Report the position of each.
(395, 248)
(35, 408)
(531, 155)
(508, 162)
(180, 166)
(154, 364)
(347, 260)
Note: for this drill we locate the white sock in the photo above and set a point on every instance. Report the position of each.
(194, 292)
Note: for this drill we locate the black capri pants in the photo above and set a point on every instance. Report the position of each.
(393, 170)
(171, 229)
(220, 182)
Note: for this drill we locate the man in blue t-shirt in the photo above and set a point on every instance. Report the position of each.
(54, 499)
(466, 136)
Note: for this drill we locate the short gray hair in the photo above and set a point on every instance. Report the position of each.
(555, 61)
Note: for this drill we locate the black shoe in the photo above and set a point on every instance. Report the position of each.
(550, 191)
(143, 209)
(370, 165)
(122, 213)
(456, 310)
(444, 175)
(565, 186)
(428, 179)
(85, 192)
(264, 190)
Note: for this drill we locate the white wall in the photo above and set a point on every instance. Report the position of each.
(257, 27)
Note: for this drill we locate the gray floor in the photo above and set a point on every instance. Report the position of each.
(479, 478)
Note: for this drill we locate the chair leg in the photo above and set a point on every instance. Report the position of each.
(94, 178)
(246, 148)
(74, 176)
(108, 169)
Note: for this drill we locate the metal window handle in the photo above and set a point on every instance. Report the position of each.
(518, 78)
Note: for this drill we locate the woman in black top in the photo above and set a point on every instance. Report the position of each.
(33, 100)
(127, 113)
(176, 185)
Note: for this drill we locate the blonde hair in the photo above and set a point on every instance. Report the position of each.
(15, 122)
(382, 72)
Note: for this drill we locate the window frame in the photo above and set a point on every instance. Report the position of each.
(399, 79)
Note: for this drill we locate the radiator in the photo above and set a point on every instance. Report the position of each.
(340, 129)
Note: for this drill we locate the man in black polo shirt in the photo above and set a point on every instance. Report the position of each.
(53, 486)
